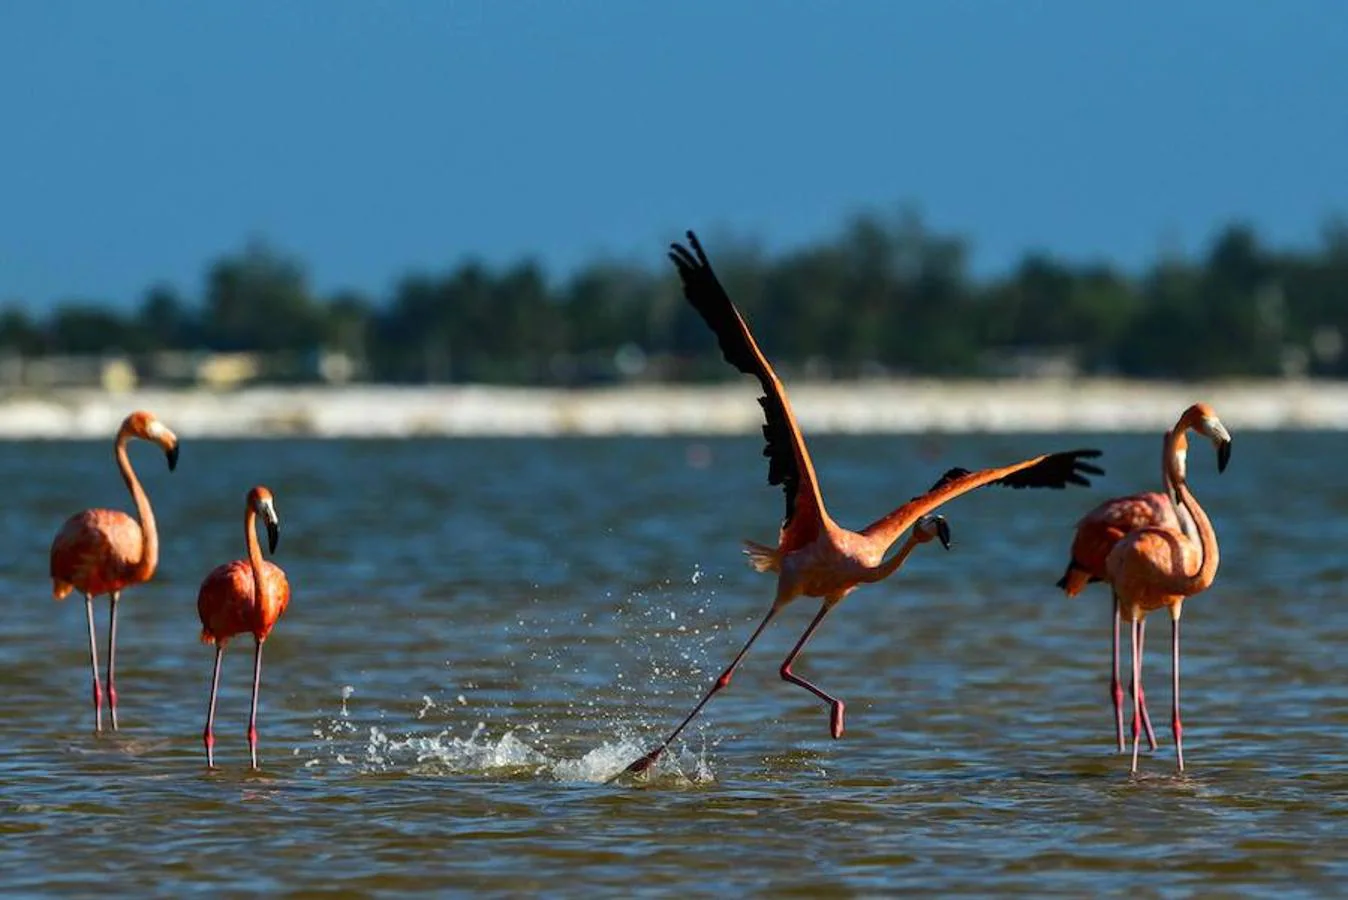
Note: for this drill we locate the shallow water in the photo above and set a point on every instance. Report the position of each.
(482, 632)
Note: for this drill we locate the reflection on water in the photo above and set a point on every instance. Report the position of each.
(482, 632)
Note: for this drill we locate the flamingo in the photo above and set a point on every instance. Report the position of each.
(815, 556)
(104, 551)
(1159, 566)
(246, 596)
(1101, 529)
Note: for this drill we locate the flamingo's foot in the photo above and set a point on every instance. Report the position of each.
(837, 708)
(644, 763)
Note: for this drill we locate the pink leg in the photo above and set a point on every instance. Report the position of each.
(208, 736)
(112, 653)
(1137, 695)
(719, 685)
(252, 713)
(1115, 688)
(836, 706)
(1142, 694)
(93, 664)
(1175, 723)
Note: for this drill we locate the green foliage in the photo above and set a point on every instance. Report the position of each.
(883, 295)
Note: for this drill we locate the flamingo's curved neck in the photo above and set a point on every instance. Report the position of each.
(149, 556)
(1176, 445)
(891, 565)
(1183, 583)
(254, 554)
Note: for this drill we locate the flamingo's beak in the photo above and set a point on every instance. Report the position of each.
(273, 534)
(1223, 454)
(943, 532)
(172, 454)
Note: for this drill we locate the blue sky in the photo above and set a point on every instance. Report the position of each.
(140, 140)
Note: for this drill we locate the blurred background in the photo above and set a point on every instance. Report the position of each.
(478, 192)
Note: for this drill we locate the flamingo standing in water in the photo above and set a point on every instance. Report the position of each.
(1101, 529)
(103, 551)
(814, 556)
(246, 596)
(1159, 566)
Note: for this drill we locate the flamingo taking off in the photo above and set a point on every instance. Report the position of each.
(1159, 566)
(246, 596)
(814, 556)
(1101, 529)
(103, 551)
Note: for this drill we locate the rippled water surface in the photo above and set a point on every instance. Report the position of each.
(482, 632)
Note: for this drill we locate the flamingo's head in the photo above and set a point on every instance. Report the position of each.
(261, 502)
(144, 425)
(929, 527)
(1203, 419)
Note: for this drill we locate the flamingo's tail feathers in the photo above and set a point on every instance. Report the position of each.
(762, 557)
(1074, 579)
(207, 637)
(61, 589)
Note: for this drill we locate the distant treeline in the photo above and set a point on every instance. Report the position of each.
(883, 296)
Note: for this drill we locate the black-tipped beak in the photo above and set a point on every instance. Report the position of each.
(1223, 455)
(273, 535)
(172, 454)
(943, 532)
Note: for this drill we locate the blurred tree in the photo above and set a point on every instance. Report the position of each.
(165, 322)
(258, 300)
(90, 328)
(19, 333)
(884, 294)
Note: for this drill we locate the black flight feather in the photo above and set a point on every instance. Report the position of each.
(704, 291)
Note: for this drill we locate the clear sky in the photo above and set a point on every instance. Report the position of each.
(140, 140)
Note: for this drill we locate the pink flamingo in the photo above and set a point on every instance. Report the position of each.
(246, 596)
(1101, 529)
(103, 551)
(814, 556)
(1159, 567)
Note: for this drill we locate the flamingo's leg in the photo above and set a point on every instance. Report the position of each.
(1141, 693)
(1137, 695)
(252, 713)
(1175, 724)
(719, 685)
(1115, 688)
(93, 663)
(112, 653)
(208, 735)
(836, 706)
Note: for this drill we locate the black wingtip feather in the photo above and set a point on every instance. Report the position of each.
(1056, 471)
(704, 292)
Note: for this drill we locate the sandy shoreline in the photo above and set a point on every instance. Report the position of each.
(871, 407)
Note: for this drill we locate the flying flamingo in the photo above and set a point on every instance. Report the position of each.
(1101, 529)
(814, 556)
(103, 551)
(246, 596)
(1158, 566)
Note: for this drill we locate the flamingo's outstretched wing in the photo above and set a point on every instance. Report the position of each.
(1052, 470)
(1055, 470)
(788, 461)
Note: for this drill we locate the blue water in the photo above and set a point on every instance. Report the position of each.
(482, 632)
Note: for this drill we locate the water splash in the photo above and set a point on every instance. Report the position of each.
(343, 744)
(657, 639)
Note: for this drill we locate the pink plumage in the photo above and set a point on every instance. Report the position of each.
(246, 596)
(103, 551)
